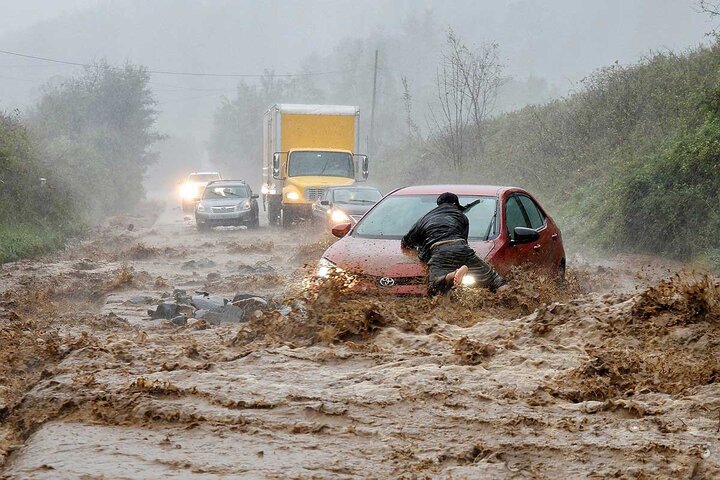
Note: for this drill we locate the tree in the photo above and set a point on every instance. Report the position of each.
(95, 131)
(467, 83)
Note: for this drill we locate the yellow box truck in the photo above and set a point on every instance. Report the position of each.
(306, 149)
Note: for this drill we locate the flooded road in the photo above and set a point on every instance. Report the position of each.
(613, 375)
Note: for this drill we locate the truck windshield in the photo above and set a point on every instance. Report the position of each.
(328, 164)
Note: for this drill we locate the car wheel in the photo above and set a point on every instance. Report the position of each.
(255, 222)
(202, 226)
(561, 272)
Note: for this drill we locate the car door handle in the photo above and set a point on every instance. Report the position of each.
(554, 236)
(537, 247)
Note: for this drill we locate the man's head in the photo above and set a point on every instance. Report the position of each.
(450, 198)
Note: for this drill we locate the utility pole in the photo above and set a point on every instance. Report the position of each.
(371, 147)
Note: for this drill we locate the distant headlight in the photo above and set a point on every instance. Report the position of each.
(338, 216)
(325, 266)
(189, 191)
(200, 207)
(468, 281)
(292, 196)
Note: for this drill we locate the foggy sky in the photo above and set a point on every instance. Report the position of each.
(558, 40)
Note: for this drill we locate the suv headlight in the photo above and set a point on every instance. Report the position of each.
(200, 207)
(245, 205)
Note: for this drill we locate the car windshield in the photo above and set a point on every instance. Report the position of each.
(226, 191)
(357, 196)
(331, 164)
(204, 177)
(395, 215)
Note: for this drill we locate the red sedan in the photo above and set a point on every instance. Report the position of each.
(507, 227)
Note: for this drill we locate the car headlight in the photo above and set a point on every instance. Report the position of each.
(325, 267)
(338, 216)
(200, 207)
(245, 205)
(468, 281)
(189, 191)
(292, 196)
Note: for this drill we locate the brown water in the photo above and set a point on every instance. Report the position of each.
(614, 375)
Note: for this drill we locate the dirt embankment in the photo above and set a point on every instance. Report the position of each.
(544, 381)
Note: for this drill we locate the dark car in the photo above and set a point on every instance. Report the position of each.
(345, 204)
(225, 203)
(507, 227)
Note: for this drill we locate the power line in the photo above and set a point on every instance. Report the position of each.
(186, 74)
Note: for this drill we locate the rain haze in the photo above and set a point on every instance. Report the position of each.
(342, 239)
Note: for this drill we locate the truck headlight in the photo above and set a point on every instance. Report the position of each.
(325, 267)
(338, 216)
(292, 196)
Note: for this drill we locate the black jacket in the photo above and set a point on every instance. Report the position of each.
(444, 222)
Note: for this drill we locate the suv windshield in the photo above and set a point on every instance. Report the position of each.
(204, 177)
(226, 191)
(331, 164)
(358, 196)
(394, 216)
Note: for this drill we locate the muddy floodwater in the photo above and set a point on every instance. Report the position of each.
(612, 375)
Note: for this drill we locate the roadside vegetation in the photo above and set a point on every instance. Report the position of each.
(78, 155)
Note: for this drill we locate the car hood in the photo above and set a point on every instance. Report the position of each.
(383, 257)
(222, 202)
(353, 208)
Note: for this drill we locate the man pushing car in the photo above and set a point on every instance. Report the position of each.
(441, 240)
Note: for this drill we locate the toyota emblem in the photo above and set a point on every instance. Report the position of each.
(387, 282)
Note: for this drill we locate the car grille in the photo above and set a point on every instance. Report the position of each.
(223, 209)
(396, 281)
(314, 193)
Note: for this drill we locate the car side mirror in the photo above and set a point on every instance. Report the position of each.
(276, 165)
(341, 230)
(254, 195)
(525, 235)
(325, 202)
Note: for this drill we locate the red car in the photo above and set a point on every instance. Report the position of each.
(507, 227)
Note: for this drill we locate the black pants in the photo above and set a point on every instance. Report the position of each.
(449, 257)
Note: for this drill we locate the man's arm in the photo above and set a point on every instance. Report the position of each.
(411, 239)
(465, 227)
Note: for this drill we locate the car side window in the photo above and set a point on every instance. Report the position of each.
(537, 219)
(514, 216)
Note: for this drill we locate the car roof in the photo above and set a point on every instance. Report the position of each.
(485, 190)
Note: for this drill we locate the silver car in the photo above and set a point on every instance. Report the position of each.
(227, 202)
